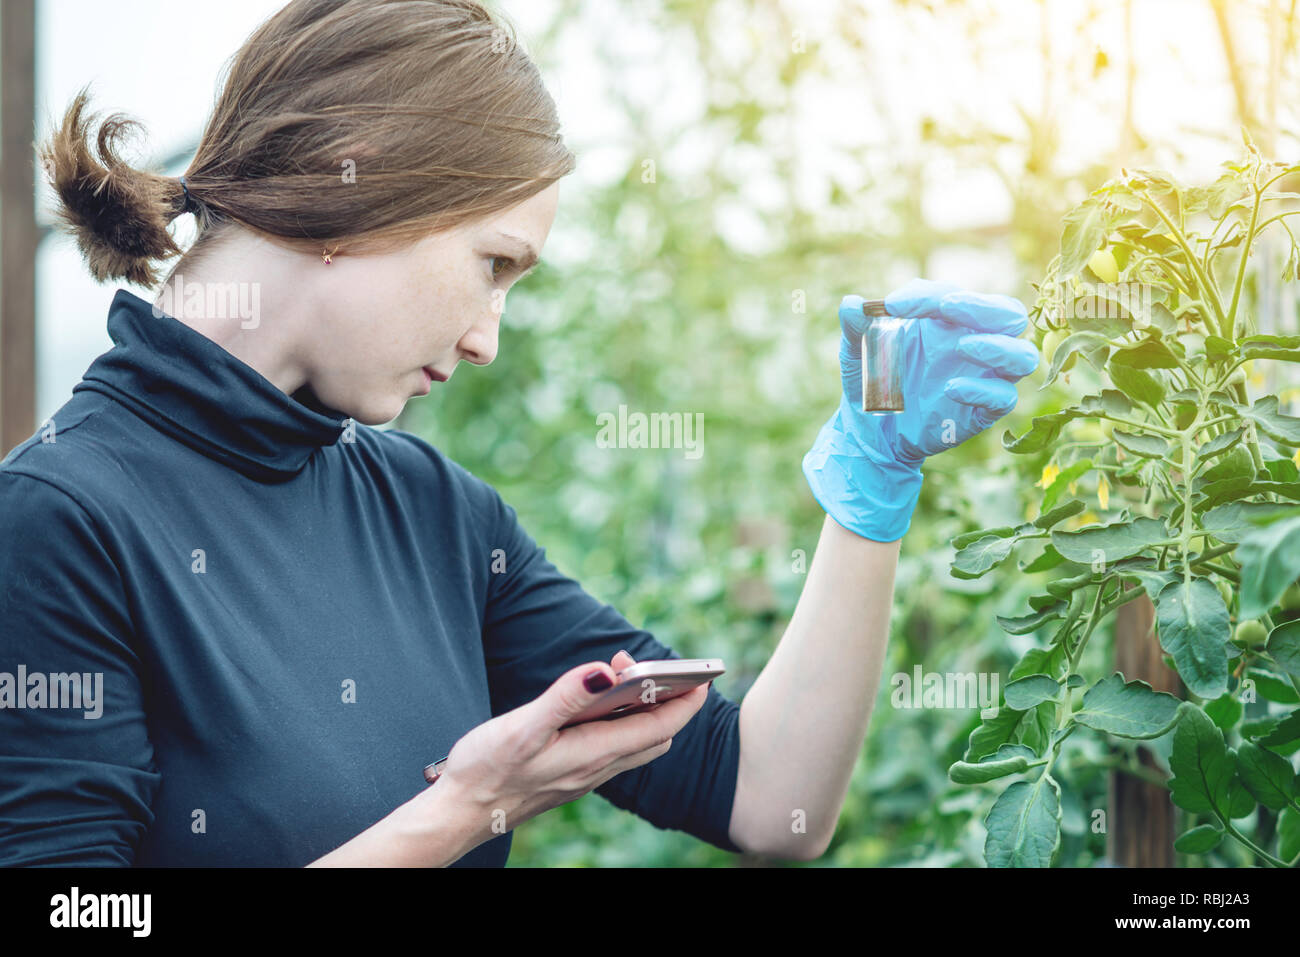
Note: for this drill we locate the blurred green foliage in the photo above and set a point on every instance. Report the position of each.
(661, 313)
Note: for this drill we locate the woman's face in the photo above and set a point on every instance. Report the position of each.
(384, 318)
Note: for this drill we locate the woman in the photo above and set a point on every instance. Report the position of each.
(278, 615)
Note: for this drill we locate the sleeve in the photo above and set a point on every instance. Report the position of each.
(539, 624)
(77, 772)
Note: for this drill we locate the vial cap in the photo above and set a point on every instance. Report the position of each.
(874, 307)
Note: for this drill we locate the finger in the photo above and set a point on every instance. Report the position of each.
(630, 761)
(568, 696)
(621, 661)
(946, 300)
(1008, 356)
(919, 297)
(853, 323)
(987, 312)
(997, 396)
(642, 729)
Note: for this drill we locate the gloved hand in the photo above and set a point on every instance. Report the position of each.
(960, 362)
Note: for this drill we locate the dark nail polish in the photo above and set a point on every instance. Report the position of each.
(596, 681)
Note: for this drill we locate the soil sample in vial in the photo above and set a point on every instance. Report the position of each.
(882, 360)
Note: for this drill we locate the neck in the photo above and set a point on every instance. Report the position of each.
(227, 296)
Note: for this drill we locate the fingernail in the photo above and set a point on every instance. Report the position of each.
(624, 651)
(596, 681)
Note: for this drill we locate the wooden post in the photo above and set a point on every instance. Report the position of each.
(18, 234)
(1141, 819)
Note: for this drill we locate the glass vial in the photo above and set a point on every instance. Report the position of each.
(882, 360)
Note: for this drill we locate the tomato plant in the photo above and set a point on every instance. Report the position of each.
(1195, 486)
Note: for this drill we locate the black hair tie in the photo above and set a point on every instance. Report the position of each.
(191, 205)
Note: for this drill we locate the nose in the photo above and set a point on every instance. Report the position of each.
(479, 344)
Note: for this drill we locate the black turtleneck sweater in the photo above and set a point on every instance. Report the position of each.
(279, 616)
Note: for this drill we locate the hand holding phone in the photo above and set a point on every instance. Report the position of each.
(642, 686)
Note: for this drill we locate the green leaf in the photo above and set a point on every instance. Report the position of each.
(1138, 383)
(1009, 759)
(1024, 825)
(1107, 402)
(1280, 514)
(1058, 514)
(1086, 318)
(980, 556)
(1069, 345)
(1132, 299)
(1241, 803)
(1128, 710)
(1281, 470)
(1277, 426)
(1110, 543)
(1270, 561)
(1284, 731)
(1236, 464)
(1226, 490)
(1008, 726)
(1284, 647)
(1039, 661)
(1273, 688)
(1289, 490)
(965, 538)
(1023, 693)
(1200, 839)
(1163, 322)
(1065, 587)
(1216, 197)
(1032, 622)
(1200, 763)
(1268, 776)
(1149, 577)
(1288, 830)
(1278, 342)
(1231, 523)
(1083, 235)
(1148, 354)
(1049, 559)
(1043, 430)
(1217, 347)
(1219, 444)
(1140, 443)
(1062, 481)
(1193, 626)
(1225, 711)
(1283, 348)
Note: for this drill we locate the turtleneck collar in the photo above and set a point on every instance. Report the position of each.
(194, 390)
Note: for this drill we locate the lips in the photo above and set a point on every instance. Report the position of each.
(434, 374)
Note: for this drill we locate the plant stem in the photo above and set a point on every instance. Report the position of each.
(1207, 286)
(1151, 427)
(1227, 826)
(1216, 552)
(1227, 573)
(1231, 322)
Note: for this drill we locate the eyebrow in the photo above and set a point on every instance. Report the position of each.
(529, 259)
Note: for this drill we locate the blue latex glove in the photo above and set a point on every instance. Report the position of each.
(960, 362)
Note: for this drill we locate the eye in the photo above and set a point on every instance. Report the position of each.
(509, 265)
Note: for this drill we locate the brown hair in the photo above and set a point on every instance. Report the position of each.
(431, 105)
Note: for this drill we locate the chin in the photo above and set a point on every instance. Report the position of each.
(368, 411)
(372, 415)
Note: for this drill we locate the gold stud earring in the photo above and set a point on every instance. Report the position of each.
(327, 254)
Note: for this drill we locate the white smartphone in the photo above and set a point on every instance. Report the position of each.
(640, 687)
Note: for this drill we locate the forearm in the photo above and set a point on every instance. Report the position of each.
(803, 722)
(435, 828)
